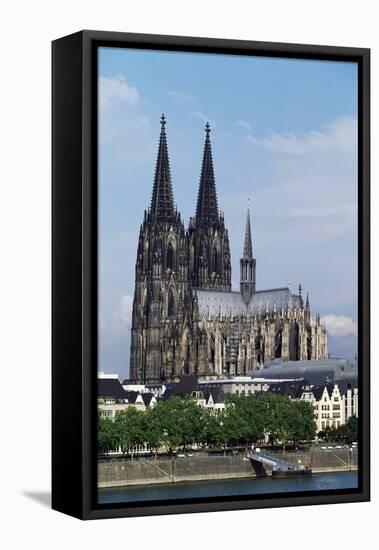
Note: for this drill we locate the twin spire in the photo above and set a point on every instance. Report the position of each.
(207, 207)
(162, 201)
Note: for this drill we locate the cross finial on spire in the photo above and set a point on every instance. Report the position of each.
(163, 121)
(207, 129)
(300, 289)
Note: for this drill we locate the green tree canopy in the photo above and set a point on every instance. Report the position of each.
(180, 422)
(130, 428)
(106, 437)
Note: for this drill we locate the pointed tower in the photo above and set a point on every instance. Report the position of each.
(161, 281)
(209, 252)
(247, 264)
(162, 202)
(207, 208)
(307, 309)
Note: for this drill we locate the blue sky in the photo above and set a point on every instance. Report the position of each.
(284, 134)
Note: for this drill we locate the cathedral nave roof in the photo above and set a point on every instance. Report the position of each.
(215, 302)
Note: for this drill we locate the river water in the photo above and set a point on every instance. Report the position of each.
(228, 487)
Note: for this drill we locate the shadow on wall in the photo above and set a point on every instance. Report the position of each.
(41, 497)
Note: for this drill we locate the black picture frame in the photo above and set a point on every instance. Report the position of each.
(74, 271)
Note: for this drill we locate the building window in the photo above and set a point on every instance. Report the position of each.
(215, 261)
(171, 304)
(170, 256)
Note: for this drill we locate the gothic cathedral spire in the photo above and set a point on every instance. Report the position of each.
(162, 202)
(209, 252)
(161, 283)
(207, 207)
(248, 248)
(247, 264)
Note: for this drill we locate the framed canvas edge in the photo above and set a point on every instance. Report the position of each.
(90, 41)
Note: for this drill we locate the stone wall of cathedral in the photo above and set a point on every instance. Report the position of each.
(161, 303)
(237, 345)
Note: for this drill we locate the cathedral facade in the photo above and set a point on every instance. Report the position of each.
(186, 318)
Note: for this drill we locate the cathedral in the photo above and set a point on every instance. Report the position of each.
(186, 317)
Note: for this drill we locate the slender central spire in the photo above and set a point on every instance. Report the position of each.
(248, 248)
(162, 202)
(247, 264)
(207, 208)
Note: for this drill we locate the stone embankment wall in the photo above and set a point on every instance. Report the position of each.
(118, 472)
(319, 460)
(112, 473)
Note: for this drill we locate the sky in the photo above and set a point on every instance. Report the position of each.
(284, 135)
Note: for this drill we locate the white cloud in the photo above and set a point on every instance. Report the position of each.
(181, 96)
(304, 216)
(323, 211)
(340, 135)
(242, 124)
(115, 337)
(340, 325)
(116, 89)
(203, 117)
(122, 316)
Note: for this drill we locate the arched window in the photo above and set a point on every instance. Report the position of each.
(171, 304)
(212, 359)
(294, 350)
(192, 258)
(187, 355)
(309, 344)
(278, 344)
(146, 255)
(170, 256)
(215, 260)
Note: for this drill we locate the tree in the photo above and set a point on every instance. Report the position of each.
(352, 429)
(244, 419)
(106, 437)
(155, 433)
(347, 432)
(182, 422)
(275, 416)
(302, 425)
(191, 423)
(130, 429)
(276, 411)
(168, 413)
(216, 431)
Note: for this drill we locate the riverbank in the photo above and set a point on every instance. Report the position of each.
(114, 472)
